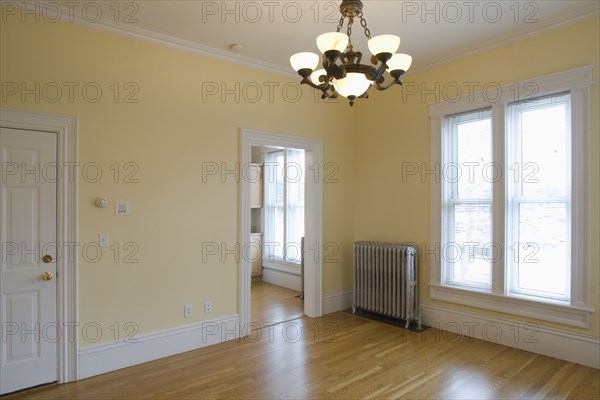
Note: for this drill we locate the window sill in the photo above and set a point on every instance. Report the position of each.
(282, 266)
(560, 313)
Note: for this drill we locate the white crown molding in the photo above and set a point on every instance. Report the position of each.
(206, 51)
(162, 40)
(504, 42)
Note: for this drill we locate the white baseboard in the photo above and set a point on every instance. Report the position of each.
(337, 301)
(557, 343)
(279, 278)
(108, 357)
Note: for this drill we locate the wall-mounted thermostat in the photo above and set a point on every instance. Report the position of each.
(121, 208)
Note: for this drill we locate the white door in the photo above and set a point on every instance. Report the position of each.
(28, 349)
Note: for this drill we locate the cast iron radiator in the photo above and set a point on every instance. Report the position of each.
(385, 280)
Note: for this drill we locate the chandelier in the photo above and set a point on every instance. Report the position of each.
(342, 71)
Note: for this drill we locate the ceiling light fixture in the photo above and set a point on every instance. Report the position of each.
(342, 71)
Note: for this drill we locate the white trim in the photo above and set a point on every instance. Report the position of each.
(313, 266)
(338, 301)
(564, 345)
(163, 40)
(106, 357)
(206, 51)
(282, 266)
(553, 312)
(503, 43)
(66, 128)
(581, 181)
(578, 81)
(283, 279)
(574, 79)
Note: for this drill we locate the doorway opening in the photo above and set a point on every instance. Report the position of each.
(281, 255)
(277, 233)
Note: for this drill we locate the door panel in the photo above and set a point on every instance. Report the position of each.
(22, 307)
(27, 233)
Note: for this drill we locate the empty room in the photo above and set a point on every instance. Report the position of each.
(299, 199)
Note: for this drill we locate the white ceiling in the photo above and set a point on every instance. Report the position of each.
(271, 31)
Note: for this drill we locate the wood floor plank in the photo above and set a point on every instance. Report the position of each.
(340, 356)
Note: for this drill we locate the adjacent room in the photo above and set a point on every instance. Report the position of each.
(294, 199)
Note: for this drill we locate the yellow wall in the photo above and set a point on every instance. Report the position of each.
(171, 131)
(388, 209)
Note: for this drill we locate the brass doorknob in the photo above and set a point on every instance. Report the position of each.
(47, 258)
(47, 276)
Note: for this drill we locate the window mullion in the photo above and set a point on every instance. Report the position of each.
(285, 204)
(499, 275)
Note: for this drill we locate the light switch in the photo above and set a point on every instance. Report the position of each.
(103, 239)
(121, 208)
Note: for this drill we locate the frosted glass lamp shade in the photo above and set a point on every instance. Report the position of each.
(384, 44)
(304, 60)
(354, 84)
(314, 77)
(399, 61)
(332, 41)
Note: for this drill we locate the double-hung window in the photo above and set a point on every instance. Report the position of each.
(513, 203)
(284, 204)
(538, 201)
(468, 200)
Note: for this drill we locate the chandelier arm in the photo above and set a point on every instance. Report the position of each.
(322, 87)
(305, 73)
(327, 89)
(307, 81)
(383, 88)
(379, 72)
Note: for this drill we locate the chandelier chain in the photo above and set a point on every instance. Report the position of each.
(341, 24)
(350, 23)
(363, 23)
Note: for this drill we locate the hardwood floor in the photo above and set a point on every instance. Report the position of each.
(341, 356)
(272, 303)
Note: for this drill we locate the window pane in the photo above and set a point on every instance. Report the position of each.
(539, 247)
(295, 204)
(469, 255)
(542, 252)
(284, 204)
(274, 205)
(279, 221)
(545, 148)
(474, 169)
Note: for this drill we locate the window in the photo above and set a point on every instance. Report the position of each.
(468, 200)
(284, 204)
(513, 203)
(539, 197)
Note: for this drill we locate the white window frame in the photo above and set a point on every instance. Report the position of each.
(578, 313)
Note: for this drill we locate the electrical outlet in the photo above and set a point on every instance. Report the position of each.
(187, 311)
(207, 306)
(103, 239)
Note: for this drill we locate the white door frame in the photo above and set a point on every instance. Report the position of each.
(67, 131)
(313, 300)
